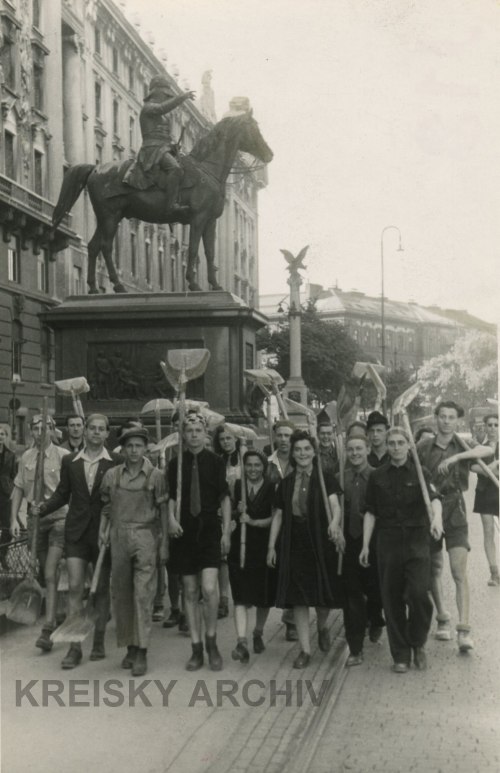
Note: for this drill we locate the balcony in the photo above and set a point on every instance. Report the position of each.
(23, 211)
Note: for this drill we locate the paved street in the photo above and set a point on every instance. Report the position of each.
(367, 719)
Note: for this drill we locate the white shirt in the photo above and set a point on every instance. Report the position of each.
(90, 465)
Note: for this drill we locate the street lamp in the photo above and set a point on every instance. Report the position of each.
(382, 300)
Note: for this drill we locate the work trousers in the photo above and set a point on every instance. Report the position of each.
(355, 606)
(404, 571)
(134, 550)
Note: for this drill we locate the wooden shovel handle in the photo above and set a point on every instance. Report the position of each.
(243, 530)
(99, 562)
(339, 442)
(491, 475)
(418, 467)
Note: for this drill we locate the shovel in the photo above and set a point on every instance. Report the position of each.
(183, 365)
(268, 380)
(399, 409)
(74, 387)
(157, 407)
(26, 599)
(244, 434)
(78, 626)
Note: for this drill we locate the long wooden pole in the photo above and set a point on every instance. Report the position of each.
(491, 475)
(182, 410)
(418, 466)
(339, 442)
(243, 529)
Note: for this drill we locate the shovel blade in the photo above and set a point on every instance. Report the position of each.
(404, 400)
(264, 376)
(76, 627)
(25, 603)
(191, 363)
(247, 433)
(163, 405)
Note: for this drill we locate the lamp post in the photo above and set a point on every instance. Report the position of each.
(382, 300)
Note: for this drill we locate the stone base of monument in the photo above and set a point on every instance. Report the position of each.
(118, 341)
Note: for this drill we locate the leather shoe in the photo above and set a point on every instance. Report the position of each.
(72, 657)
(324, 640)
(157, 615)
(97, 652)
(399, 668)
(214, 656)
(173, 619)
(240, 653)
(302, 660)
(196, 660)
(291, 632)
(258, 644)
(140, 663)
(354, 660)
(420, 658)
(375, 633)
(128, 660)
(44, 642)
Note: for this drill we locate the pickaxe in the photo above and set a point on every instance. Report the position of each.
(74, 387)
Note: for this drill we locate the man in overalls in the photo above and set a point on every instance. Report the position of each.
(156, 164)
(134, 497)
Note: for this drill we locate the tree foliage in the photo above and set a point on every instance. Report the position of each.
(468, 373)
(328, 353)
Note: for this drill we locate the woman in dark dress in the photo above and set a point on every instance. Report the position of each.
(306, 560)
(486, 499)
(255, 584)
(227, 445)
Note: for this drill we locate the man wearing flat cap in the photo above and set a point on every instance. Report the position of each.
(134, 511)
(156, 164)
(377, 427)
(198, 540)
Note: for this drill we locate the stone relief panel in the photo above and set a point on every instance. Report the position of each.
(131, 371)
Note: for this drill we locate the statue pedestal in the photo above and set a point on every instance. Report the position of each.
(117, 342)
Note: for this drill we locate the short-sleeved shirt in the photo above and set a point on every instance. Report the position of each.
(394, 497)
(25, 478)
(431, 455)
(149, 478)
(212, 478)
(355, 484)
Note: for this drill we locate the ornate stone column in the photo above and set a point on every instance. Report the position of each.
(295, 387)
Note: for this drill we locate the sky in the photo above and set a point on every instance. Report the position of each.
(379, 112)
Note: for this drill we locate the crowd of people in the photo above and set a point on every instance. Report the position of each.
(298, 525)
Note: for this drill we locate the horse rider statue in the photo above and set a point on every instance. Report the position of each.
(156, 164)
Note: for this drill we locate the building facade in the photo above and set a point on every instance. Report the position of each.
(73, 76)
(413, 333)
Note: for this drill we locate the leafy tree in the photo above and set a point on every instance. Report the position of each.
(468, 373)
(328, 353)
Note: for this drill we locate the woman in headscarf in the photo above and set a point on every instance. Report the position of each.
(254, 585)
(306, 560)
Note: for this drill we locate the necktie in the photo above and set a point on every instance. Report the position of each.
(251, 494)
(303, 490)
(194, 492)
(355, 523)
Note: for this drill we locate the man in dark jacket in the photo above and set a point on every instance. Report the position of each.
(7, 474)
(81, 476)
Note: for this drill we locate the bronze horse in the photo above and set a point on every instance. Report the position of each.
(206, 169)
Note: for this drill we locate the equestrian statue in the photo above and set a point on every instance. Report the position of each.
(162, 186)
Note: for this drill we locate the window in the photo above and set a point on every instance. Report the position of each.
(36, 13)
(133, 254)
(14, 262)
(98, 99)
(45, 355)
(131, 132)
(43, 271)
(116, 117)
(172, 272)
(17, 349)
(38, 172)
(77, 281)
(115, 60)
(9, 155)
(97, 40)
(38, 78)
(148, 262)
(8, 53)
(131, 80)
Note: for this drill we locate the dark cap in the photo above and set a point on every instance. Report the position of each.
(375, 417)
(140, 432)
(158, 83)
